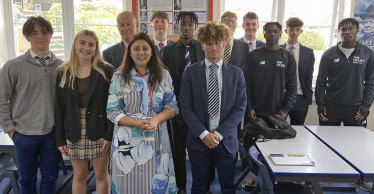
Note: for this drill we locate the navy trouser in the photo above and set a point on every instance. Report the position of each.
(29, 148)
(200, 167)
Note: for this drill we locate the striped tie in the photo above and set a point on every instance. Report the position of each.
(42, 60)
(291, 48)
(226, 54)
(213, 92)
(160, 46)
(187, 57)
(250, 46)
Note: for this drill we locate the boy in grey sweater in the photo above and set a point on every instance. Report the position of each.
(27, 102)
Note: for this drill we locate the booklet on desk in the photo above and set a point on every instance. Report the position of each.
(292, 159)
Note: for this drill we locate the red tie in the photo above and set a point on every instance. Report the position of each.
(291, 48)
(160, 45)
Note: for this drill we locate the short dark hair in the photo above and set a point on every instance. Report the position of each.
(183, 14)
(294, 22)
(272, 23)
(348, 21)
(155, 65)
(250, 15)
(160, 14)
(28, 27)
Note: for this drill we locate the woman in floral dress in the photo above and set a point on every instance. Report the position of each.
(141, 99)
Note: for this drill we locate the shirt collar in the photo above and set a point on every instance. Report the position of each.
(156, 42)
(247, 41)
(208, 63)
(181, 44)
(136, 72)
(124, 42)
(296, 46)
(33, 55)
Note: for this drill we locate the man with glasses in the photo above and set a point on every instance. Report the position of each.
(345, 82)
(127, 27)
(250, 26)
(235, 50)
(368, 38)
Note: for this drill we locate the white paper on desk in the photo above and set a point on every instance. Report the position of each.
(292, 159)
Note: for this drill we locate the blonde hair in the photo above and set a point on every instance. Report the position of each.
(229, 14)
(70, 66)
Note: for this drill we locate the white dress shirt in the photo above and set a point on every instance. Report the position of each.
(157, 42)
(214, 122)
(251, 48)
(296, 52)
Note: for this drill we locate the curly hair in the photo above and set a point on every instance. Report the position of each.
(212, 32)
(272, 23)
(294, 22)
(348, 21)
(159, 14)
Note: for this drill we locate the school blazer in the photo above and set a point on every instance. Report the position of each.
(67, 108)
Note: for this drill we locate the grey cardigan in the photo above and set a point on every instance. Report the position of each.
(27, 97)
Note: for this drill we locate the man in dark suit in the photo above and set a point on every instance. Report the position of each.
(250, 26)
(235, 50)
(160, 26)
(304, 58)
(176, 57)
(127, 26)
(212, 101)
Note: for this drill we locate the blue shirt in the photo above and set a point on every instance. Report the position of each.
(127, 44)
(214, 122)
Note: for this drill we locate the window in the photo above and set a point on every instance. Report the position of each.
(51, 12)
(99, 16)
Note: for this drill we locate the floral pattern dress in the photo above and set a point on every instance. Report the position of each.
(141, 162)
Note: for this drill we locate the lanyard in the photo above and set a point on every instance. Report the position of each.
(124, 46)
(148, 87)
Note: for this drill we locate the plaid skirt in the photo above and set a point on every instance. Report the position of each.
(84, 148)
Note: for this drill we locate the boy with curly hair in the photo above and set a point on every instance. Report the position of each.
(213, 101)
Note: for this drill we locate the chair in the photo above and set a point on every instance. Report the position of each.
(265, 184)
(9, 170)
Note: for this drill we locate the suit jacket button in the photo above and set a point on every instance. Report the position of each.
(88, 112)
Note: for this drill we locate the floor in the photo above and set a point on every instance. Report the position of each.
(215, 188)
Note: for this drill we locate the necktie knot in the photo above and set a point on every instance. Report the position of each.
(42, 60)
(213, 67)
(250, 43)
(160, 45)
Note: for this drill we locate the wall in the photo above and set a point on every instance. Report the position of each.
(3, 36)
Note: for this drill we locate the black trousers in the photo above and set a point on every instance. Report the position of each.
(337, 113)
(178, 145)
(299, 111)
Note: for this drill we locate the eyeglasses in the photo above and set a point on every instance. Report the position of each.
(228, 21)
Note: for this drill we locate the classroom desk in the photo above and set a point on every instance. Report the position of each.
(329, 166)
(355, 145)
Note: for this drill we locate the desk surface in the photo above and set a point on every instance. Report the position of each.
(5, 140)
(354, 144)
(327, 162)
